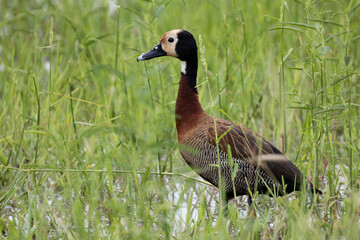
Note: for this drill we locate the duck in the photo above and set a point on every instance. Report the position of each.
(226, 154)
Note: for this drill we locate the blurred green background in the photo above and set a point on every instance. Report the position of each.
(88, 145)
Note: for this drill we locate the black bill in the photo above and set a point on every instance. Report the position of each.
(157, 51)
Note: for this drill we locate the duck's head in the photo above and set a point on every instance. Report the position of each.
(175, 43)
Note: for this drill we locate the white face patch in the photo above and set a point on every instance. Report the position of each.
(168, 42)
(183, 67)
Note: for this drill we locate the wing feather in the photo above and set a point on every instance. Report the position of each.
(255, 150)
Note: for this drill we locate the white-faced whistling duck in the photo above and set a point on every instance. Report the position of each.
(261, 166)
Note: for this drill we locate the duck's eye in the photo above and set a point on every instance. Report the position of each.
(170, 39)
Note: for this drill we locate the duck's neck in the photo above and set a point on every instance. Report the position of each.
(188, 108)
(189, 69)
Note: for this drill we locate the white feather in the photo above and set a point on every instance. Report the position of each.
(183, 67)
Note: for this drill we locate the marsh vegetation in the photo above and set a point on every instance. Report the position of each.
(88, 145)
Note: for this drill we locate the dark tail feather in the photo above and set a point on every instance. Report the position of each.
(318, 191)
(315, 190)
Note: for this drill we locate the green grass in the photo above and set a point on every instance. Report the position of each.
(88, 145)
